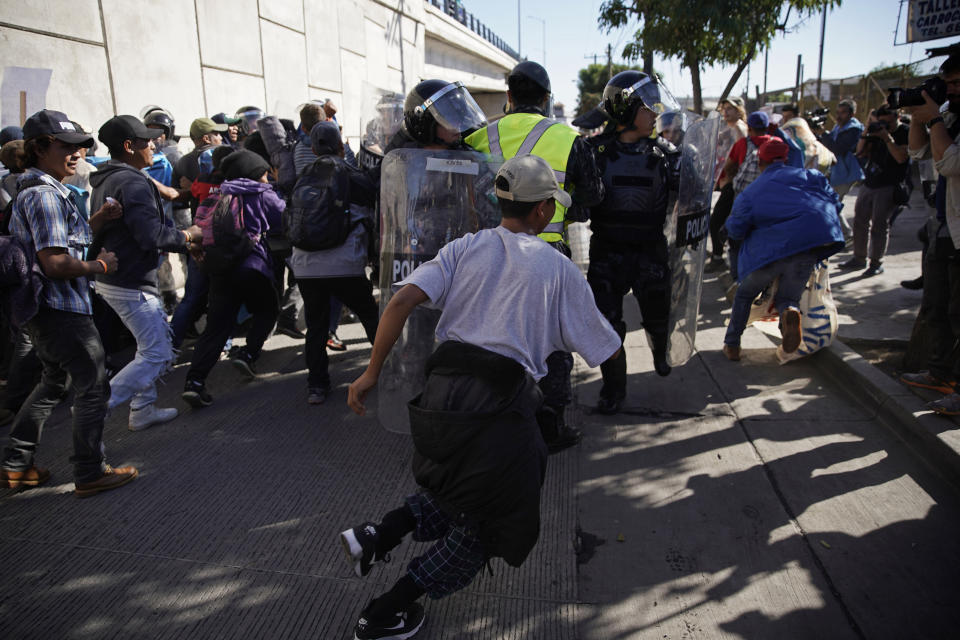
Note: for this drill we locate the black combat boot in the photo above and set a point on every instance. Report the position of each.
(660, 355)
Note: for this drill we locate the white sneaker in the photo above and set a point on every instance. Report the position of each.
(149, 415)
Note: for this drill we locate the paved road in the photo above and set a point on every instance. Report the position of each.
(731, 500)
(753, 500)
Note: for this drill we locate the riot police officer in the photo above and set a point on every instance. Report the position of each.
(427, 199)
(528, 128)
(437, 115)
(628, 250)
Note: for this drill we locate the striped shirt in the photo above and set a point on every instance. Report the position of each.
(303, 155)
(43, 217)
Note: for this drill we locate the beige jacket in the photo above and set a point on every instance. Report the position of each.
(949, 168)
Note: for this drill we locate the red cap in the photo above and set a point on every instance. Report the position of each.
(772, 150)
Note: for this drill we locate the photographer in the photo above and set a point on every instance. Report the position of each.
(883, 154)
(842, 141)
(935, 134)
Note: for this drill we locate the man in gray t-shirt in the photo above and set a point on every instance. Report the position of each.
(507, 301)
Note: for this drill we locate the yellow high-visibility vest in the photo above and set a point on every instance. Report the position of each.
(520, 134)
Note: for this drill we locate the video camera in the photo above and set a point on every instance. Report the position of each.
(935, 88)
(816, 118)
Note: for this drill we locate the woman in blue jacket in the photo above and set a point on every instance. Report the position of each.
(788, 219)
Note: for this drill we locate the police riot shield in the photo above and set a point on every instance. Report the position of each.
(427, 199)
(686, 230)
(381, 116)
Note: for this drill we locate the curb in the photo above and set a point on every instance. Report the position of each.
(933, 438)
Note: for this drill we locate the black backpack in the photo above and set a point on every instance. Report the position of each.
(226, 243)
(318, 216)
(25, 184)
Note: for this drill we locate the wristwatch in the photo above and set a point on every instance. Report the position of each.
(933, 121)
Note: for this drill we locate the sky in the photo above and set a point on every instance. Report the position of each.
(859, 37)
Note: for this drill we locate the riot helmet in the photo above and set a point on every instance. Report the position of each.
(150, 108)
(160, 119)
(437, 103)
(248, 118)
(629, 90)
(529, 84)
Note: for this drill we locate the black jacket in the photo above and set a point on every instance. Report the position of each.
(479, 451)
(138, 237)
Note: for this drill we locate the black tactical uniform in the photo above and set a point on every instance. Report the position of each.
(628, 251)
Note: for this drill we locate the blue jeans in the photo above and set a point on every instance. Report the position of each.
(69, 346)
(794, 272)
(194, 301)
(143, 315)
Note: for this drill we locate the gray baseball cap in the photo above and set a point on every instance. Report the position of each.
(530, 179)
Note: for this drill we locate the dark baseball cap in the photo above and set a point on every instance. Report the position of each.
(758, 120)
(119, 128)
(56, 124)
(325, 134)
(222, 118)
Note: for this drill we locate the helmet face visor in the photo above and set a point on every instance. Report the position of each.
(653, 94)
(250, 117)
(455, 109)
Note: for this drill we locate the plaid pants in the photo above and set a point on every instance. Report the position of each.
(456, 558)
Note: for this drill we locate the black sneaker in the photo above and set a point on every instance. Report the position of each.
(566, 438)
(874, 269)
(360, 545)
(914, 285)
(401, 625)
(195, 394)
(853, 263)
(291, 331)
(242, 361)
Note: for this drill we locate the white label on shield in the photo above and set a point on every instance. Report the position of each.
(453, 166)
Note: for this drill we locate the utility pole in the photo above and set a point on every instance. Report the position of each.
(609, 61)
(746, 89)
(766, 62)
(544, 50)
(519, 49)
(796, 84)
(823, 31)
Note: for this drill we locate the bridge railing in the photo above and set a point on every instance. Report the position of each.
(454, 9)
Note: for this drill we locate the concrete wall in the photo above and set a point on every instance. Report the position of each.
(95, 58)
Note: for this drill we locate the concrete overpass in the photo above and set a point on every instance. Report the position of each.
(96, 58)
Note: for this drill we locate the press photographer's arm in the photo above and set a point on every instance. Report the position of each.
(938, 137)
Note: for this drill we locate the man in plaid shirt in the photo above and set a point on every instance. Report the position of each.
(49, 225)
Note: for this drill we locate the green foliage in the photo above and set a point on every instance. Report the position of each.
(699, 33)
(591, 82)
(883, 71)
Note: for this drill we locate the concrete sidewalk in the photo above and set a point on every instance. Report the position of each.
(877, 314)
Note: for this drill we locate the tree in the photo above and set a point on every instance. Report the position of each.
(903, 72)
(705, 33)
(591, 82)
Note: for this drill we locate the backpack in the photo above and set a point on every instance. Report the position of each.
(25, 184)
(749, 169)
(226, 243)
(318, 216)
(280, 146)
